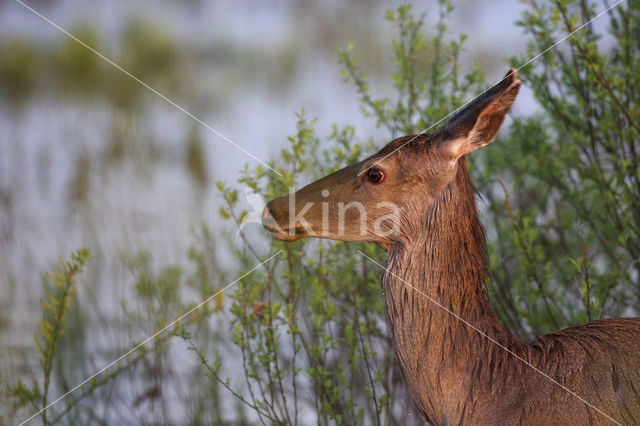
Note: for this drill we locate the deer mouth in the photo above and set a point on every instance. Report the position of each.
(283, 235)
(279, 232)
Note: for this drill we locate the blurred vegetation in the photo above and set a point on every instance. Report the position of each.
(304, 339)
(195, 159)
(51, 327)
(18, 70)
(567, 223)
(78, 70)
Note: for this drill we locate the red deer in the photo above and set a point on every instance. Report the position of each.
(460, 365)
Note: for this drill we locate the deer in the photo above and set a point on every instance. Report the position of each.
(415, 199)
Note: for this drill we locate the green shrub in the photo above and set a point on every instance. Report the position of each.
(567, 248)
(51, 327)
(562, 214)
(309, 329)
(315, 322)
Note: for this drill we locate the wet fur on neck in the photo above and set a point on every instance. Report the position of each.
(457, 375)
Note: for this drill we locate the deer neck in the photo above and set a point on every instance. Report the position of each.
(444, 267)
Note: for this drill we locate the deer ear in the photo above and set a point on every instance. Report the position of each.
(479, 122)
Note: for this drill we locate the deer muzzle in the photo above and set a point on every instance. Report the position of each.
(313, 210)
(275, 218)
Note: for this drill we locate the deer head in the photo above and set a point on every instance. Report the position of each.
(382, 199)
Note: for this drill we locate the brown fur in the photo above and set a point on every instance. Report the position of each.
(468, 371)
(457, 376)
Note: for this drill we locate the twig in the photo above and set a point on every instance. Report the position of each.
(214, 374)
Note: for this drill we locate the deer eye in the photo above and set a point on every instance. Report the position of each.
(375, 175)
